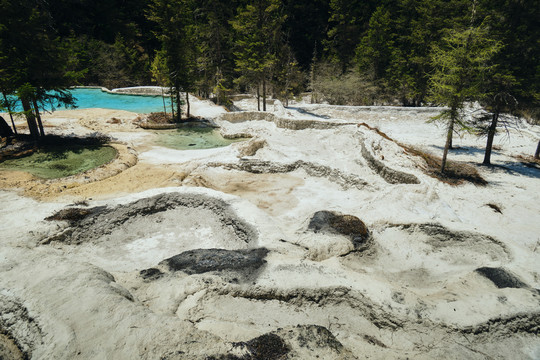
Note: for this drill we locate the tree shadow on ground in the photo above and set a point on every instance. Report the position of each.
(517, 168)
(304, 111)
(465, 150)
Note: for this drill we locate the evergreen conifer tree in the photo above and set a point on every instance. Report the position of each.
(460, 64)
(258, 27)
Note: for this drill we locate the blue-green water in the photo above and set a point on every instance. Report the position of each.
(95, 98)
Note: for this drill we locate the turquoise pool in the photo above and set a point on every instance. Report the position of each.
(95, 98)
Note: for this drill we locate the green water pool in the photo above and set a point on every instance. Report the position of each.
(193, 138)
(57, 162)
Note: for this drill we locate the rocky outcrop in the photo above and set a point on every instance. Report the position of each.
(346, 181)
(281, 122)
(332, 222)
(389, 175)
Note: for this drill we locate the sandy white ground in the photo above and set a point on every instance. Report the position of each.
(412, 294)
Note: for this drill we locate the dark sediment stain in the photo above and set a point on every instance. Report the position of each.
(205, 260)
(501, 278)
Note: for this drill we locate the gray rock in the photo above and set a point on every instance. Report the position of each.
(335, 223)
(501, 278)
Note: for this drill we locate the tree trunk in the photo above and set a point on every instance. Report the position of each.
(178, 108)
(171, 97)
(36, 111)
(490, 137)
(30, 118)
(264, 94)
(448, 144)
(188, 106)
(10, 114)
(258, 98)
(537, 154)
(163, 98)
(5, 130)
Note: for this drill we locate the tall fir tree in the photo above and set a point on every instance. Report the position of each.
(215, 40)
(175, 21)
(347, 22)
(460, 64)
(258, 28)
(34, 64)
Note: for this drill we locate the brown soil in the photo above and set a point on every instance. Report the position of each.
(135, 179)
(270, 192)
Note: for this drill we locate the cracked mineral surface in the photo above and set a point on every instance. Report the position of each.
(314, 239)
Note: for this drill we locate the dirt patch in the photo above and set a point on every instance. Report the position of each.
(292, 342)
(9, 350)
(441, 236)
(134, 179)
(265, 347)
(270, 192)
(151, 274)
(205, 260)
(501, 278)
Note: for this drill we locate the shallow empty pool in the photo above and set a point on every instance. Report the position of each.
(57, 162)
(193, 138)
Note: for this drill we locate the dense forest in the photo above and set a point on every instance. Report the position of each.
(357, 52)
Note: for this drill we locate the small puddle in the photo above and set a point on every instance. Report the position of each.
(190, 138)
(57, 162)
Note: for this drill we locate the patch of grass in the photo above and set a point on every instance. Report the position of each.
(159, 118)
(163, 118)
(71, 215)
(494, 207)
(529, 161)
(455, 174)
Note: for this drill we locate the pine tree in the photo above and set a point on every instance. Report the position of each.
(460, 64)
(394, 50)
(160, 76)
(33, 62)
(348, 21)
(515, 85)
(176, 27)
(215, 41)
(258, 28)
(306, 27)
